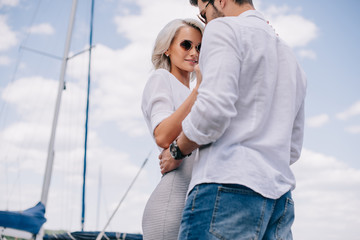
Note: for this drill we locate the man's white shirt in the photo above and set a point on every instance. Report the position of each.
(250, 107)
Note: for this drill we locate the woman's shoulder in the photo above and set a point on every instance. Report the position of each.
(159, 78)
(159, 75)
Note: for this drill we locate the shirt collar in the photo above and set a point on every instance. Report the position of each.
(253, 13)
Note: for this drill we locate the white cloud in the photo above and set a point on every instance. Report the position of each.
(43, 28)
(4, 60)
(296, 30)
(307, 54)
(118, 79)
(353, 110)
(327, 190)
(28, 135)
(10, 3)
(145, 27)
(353, 129)
(317, 121)
(8, 38)
(31, 96)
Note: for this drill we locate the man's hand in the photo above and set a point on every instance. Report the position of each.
(167, 163)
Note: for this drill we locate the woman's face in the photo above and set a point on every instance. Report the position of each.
(184, 51)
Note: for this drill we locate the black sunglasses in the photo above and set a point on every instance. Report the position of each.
(202, 15)
(187, 45)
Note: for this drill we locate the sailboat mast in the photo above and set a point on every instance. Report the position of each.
(50, 156)
(87, 115)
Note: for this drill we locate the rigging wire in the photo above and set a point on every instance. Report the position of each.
(4, 105)
(101, 234)
(18, 59)
(40, 52)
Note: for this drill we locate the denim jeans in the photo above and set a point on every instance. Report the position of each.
(235, 212)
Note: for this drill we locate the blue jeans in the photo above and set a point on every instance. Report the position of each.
(235, 212)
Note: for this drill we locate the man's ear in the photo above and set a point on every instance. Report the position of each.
(223, 3)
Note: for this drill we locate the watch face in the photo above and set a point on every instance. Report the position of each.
(173, 151)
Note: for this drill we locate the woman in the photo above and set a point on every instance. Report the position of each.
(167, 99)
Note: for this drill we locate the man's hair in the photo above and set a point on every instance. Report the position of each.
(195, 2)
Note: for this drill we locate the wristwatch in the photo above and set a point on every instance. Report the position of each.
(175, 151)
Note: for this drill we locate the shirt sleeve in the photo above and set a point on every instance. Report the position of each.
(297, 135)
(220, 63)
(157, 103)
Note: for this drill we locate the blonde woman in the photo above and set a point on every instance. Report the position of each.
(167, 100)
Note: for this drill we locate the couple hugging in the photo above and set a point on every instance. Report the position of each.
(227, 143)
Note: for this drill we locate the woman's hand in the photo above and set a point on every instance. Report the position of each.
(167, 163)
(198, 76)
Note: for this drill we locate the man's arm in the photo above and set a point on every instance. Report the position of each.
(297, 135)
(185, 144)
(214, 108)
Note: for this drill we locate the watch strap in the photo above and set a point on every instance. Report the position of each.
(176, 152)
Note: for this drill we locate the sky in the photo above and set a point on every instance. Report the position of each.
(323, 35)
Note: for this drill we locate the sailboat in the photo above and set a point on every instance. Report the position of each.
(28, 224)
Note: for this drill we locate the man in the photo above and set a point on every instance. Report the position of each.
(249, 118)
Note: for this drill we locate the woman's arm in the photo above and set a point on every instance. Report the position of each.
(170, 128)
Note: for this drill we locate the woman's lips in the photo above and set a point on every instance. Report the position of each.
(192, 61)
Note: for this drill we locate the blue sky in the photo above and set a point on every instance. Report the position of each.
(323, 34)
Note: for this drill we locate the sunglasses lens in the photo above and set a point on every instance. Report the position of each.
(186, 45)
(198, 47)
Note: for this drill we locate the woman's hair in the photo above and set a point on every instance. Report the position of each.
(195, 2)
(166, 37)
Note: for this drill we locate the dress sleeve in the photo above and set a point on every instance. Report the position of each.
(157, 103)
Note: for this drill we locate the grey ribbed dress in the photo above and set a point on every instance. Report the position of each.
(162, 95)
(163, 211)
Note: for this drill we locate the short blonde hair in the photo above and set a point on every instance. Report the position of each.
(166, 37)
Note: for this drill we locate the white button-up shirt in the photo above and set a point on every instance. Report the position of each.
(250, 107)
